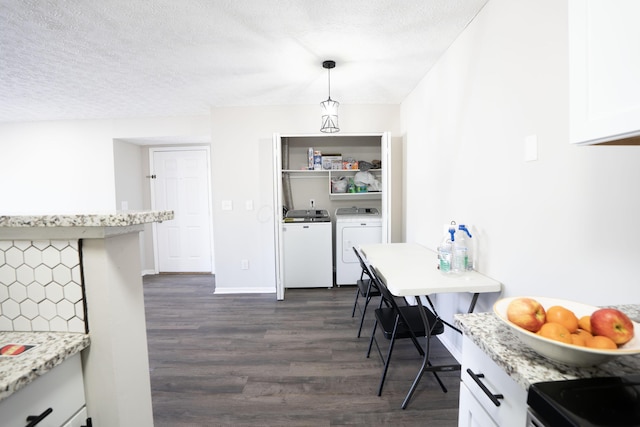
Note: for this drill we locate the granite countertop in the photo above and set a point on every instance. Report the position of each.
(77, 226)
(110, 219)
(52, 349)
(524, 365)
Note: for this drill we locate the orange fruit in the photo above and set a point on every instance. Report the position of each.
(555, 331)
(585, 323)
(563, 316)
(584, 334)
(600, 341)
(578, 339)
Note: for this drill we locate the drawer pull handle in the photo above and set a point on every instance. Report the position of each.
(34, 420)
(494, 397)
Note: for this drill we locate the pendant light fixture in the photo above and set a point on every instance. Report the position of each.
(329, 107)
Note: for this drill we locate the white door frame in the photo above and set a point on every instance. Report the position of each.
(152, 151)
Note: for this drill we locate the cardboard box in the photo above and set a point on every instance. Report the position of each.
(329, 160)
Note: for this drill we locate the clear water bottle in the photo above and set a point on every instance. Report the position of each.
(464, 236)
(460, 257)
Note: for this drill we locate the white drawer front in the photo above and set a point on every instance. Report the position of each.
(513, 405)
(79, 419)
(471, 413)
(60, 389)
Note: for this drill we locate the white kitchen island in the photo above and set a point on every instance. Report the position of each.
(116, 364)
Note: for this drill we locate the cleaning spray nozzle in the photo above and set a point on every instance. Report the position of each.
(463, 227)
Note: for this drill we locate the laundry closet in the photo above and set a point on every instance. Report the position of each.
(332, 193)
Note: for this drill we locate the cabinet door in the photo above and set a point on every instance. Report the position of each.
(512, 408)
(78, 420)
(604, 61)
(61, 390)
(471, 413)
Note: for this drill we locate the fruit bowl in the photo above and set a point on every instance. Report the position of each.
(566, 353)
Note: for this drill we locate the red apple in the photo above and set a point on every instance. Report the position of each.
(612, 323)
(526, 313)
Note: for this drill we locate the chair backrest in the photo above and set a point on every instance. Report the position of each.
(434, 325)
(385, 293)
(363, 265)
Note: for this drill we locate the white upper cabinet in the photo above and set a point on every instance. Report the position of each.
(604, 55)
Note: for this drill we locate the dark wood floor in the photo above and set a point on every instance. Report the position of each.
(249, 360)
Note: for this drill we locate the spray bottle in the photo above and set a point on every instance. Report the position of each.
(445, 250)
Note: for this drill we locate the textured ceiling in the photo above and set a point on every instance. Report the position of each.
(74, 59)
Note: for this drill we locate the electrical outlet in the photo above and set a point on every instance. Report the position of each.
(244, 264)
(312, 203)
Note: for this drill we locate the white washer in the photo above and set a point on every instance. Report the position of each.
(307, 250)
(354, 226)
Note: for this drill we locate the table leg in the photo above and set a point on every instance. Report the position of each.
(474, 300)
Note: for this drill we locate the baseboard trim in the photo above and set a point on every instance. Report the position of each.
(248, 290)
(455, 352)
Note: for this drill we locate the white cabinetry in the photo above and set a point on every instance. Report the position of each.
(58, 395)
(604, 59)
(79, 420)
(488, 396)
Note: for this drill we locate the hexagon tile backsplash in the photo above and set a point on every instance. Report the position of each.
(41, 286)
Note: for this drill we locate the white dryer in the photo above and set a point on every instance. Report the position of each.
(354, 226)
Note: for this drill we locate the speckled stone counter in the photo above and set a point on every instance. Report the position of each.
(524, 365)
(85, 225)
(52, 349)
(114, 219)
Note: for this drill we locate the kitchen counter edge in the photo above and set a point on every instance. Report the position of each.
(52, 348)
(111, 219)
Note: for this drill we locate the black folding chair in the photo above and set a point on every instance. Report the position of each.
(366, 288)
(401, 322)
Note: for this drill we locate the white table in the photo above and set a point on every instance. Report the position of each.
(409, 269)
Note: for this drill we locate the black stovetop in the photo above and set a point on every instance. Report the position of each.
(608, 401)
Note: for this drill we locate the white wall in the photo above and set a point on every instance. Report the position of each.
(68, 166)
(242, 170)
(562, 226)
(129, 178)
(56, 167)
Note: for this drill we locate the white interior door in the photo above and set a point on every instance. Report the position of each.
(181, 184)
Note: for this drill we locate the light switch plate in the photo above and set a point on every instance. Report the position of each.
(227, 205)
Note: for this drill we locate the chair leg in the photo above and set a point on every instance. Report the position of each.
(373, 335)
(388, 358)
(364, 311)
(355, 303)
